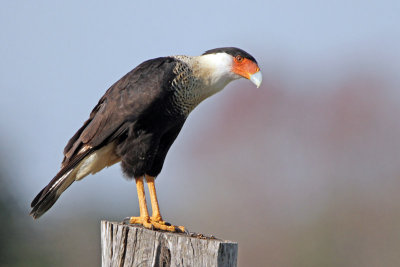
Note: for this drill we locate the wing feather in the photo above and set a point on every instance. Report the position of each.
(125, 101)
(121, 106)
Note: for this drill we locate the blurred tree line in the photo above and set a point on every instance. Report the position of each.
(19, 244)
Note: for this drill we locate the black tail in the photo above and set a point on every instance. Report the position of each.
(64, 178)
(49, 195)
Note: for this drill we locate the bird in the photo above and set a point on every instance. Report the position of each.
(138, 119)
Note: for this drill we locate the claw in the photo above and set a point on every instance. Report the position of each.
(181, 229)
(152, 223)
(126, 220)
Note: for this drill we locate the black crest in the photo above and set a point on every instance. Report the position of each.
(233, 51)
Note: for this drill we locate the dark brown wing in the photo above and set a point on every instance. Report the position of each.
(123, 103)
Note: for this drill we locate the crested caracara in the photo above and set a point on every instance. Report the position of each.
(138, 119)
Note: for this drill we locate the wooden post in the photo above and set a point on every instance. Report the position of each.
(130, 245)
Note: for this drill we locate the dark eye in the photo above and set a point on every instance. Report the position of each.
(239, 58)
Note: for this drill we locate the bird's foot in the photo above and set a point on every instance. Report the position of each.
(156, 223)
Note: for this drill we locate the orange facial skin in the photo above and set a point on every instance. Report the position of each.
(244, 67)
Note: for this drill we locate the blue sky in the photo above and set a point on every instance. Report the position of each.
(58, 58)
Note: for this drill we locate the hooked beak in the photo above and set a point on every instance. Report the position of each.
(249, 70)
(256, 78)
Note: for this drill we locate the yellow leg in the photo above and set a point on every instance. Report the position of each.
(156, 218)
(153, 198)
(144, 218)
(154, 221)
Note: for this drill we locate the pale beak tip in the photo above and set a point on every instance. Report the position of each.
(256, 78)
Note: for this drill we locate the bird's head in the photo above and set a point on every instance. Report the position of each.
(230, 63)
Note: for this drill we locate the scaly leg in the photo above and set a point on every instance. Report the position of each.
(156, 218)
(144, 218)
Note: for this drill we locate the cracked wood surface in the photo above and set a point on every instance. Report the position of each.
(131, 245)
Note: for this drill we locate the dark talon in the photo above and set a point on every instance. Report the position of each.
(178, 230)
(126, 220)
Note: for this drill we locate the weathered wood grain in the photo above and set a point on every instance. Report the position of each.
(130, 245)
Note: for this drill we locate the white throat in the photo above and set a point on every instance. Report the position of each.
(216, 70)
(209, 74)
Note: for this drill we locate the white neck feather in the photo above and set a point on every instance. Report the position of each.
(211, 73)
(216, 70)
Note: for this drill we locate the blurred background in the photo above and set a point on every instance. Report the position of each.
(304, 171)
